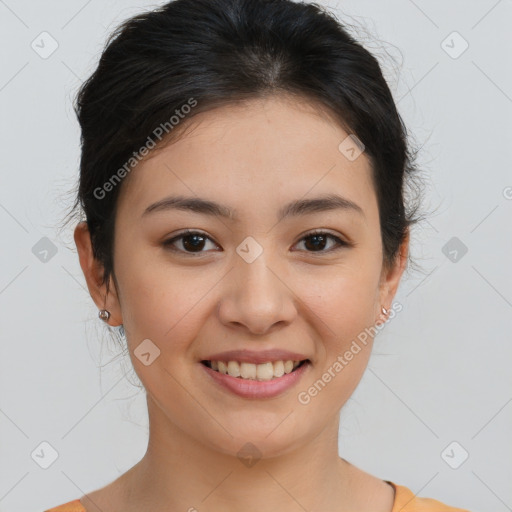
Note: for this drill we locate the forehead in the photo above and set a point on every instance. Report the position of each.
(259, 154)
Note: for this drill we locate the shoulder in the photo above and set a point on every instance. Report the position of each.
(407, 501)
(70, 506)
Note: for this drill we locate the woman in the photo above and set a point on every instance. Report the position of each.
(242, 175)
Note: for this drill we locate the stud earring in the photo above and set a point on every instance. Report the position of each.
(384, 311)
(104, 315)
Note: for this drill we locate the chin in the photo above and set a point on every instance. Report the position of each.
(258, 443)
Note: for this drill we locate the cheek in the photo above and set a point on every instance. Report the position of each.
(160, 298)
(341, 308)
(342, 296)
(171, 309)
(342, 311)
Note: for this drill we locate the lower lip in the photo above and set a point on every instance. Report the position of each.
(247, 388)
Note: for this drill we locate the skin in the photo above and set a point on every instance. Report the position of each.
(254, 158)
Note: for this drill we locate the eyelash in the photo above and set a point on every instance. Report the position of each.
(340, 243)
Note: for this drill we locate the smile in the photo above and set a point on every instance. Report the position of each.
(250, 380)
(261, 372)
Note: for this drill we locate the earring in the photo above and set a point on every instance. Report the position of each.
(381, 320)
(104, 315)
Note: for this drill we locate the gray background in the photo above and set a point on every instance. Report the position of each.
(440, 371)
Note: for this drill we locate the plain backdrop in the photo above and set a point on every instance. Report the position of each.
(433, 411)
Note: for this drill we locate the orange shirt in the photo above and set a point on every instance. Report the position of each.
(405, 501)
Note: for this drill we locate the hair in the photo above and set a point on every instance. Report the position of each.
(220, 52)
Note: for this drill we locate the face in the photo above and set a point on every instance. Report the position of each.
(252, 280)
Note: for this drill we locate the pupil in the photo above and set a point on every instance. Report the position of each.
(194, 245)
(322, 238)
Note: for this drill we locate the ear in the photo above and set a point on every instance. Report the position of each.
(93, 272)
(390, 277)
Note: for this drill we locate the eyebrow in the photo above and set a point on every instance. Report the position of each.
(293, 209)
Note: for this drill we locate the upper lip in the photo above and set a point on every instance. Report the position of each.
(256, 356)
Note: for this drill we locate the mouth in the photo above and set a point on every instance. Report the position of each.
(256, 381)
(268, 371)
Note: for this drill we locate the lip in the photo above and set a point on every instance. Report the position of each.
(256, 356)
(247, 388)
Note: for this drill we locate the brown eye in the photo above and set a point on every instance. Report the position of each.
(192, 242)
(318, 240)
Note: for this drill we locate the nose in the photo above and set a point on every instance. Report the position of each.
(257, 298)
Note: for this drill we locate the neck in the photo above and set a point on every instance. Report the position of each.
(178, 472)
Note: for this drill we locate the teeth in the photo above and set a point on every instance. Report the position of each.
(234, 369)
(248, 370)
(264, 371)
(278, 368)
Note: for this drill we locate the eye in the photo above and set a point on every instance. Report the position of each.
(319, 239)
(192, 241)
